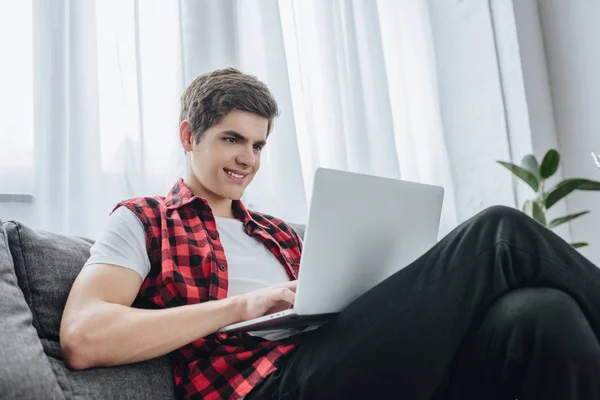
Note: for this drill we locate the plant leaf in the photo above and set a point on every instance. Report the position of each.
(559, 221)
(579, 244)
(522, 173)
(533, 209)
(550, 164)
(567, 186)
(590, 185)
(530, 163)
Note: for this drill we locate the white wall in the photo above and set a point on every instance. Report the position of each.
(570, 36)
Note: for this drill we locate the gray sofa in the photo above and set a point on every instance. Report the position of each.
(37, 269)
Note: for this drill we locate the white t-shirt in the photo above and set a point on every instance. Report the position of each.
(251, 265)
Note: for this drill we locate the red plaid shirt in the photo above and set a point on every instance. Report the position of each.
(188, 266)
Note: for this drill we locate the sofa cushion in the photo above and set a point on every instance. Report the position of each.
(25, 372)
(46, 264)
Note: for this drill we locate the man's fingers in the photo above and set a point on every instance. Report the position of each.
(291, 285)
(287, 295)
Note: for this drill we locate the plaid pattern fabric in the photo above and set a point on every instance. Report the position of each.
(188, 266)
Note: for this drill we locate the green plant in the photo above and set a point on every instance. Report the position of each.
(536, 175)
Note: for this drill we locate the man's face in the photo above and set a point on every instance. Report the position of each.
(225, 160)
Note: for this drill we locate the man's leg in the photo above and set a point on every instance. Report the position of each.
(398, 340)
(534, 343)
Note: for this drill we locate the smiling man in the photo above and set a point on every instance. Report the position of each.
(226, 161)
(224, 137)
(500, 308)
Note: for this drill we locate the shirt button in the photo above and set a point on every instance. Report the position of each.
(222, 267)
(214, 236)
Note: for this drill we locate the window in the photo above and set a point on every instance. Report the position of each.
(16, 97)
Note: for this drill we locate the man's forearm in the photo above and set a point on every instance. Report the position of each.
(112, 334)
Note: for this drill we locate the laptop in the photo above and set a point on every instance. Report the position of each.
(361, 229)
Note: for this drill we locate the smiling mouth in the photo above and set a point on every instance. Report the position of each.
(238, 176)
(235, 177)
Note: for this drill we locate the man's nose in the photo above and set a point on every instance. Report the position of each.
(246, 157)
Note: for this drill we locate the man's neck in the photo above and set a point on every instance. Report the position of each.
(220, 206)
(223, 211)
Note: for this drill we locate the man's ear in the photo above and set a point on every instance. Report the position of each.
(185, 135)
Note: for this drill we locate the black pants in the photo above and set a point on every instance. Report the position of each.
(501, 308)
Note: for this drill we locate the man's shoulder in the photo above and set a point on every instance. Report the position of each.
(268, 220)
(143, 206)
(148, 201)
(265, 219)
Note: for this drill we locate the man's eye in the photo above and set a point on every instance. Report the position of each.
(258, 147)
(231, 140)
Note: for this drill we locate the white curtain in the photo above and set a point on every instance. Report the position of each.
(106, 87)
(355, 81)
(364, 91)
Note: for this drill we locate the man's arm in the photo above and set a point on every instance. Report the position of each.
(100, 328)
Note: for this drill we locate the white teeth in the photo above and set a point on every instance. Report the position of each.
(235, 175)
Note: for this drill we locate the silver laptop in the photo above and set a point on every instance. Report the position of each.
(361, 229)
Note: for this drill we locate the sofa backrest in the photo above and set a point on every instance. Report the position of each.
(46, 265)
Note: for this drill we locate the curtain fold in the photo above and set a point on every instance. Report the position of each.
(65, 116)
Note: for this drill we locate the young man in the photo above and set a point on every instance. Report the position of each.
(500, 308)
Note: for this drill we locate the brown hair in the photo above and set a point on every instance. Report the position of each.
(213, 95)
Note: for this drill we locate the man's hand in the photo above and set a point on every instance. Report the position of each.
(267, 301)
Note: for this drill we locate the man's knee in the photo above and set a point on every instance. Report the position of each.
(507, 220)
(545, 319)
(499, 212)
